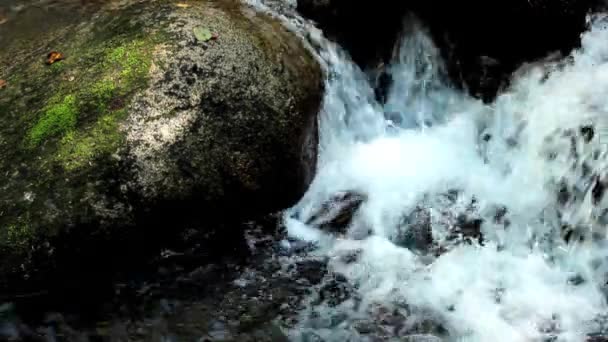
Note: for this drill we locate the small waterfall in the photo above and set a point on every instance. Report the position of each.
(475, 222)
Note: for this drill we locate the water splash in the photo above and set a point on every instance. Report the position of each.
(539, 272)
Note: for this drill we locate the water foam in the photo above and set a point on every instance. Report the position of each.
(430, 138)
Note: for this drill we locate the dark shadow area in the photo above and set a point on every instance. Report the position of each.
(482, 42)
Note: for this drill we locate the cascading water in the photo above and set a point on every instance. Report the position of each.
(478, 222)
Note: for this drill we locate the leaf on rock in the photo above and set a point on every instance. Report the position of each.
(182, 5)
(203, 34)
(53, 57)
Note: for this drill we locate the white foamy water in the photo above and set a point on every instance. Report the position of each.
(524, 282)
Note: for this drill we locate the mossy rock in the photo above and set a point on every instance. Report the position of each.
(143, 129)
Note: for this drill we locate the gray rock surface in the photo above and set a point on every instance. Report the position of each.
(160, 115)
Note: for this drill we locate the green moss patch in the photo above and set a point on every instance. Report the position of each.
(84, 120)
(57, 118)
(61, 128)
(133, 61)
(101, 93)
(78, 149)
(17, 235)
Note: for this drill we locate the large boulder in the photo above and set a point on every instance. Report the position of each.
(160, 115)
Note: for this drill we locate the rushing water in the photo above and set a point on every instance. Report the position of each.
(527, 168)
(528, 171)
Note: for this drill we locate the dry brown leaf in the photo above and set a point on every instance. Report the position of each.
(182, 5)
(53, 57)
(2, 84)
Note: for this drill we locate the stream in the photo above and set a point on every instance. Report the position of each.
(475, 222)
(432, 216)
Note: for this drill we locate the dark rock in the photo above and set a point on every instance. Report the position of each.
(598, 190)
(421, 338)
(335, 291)
(576, 280)
(422, 323)
(573, 234)
(312, 270)
(563, 195)
(368, 31)
(511, 32)
(336, 214)
(415, 231)
(382, 86)
(469, 227)
(588, 132)
(482, 42)
(500, 213)
(461, 224)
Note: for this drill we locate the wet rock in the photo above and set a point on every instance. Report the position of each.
(469, 227)
(588, 132)
(311, 270)
(563, 194)
(597, 192)
(254, 300)
(500, 215)
(422, 323)
(421, 338)
(336, 214)
(452, 214)
(486, 75)
(415, 231)
(160, 132)
(335, 291)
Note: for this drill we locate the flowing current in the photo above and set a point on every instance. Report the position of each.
(479, 222)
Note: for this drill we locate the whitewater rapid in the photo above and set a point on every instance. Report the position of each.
(436, 145)
(540, 271)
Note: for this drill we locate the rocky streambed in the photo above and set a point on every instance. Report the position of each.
(148, 147)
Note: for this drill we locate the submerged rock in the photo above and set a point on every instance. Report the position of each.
(445, 220)
(336, 214)
(142, 129)
(416, 232)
